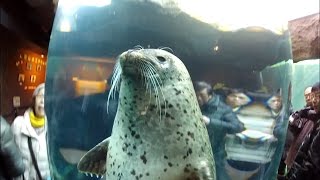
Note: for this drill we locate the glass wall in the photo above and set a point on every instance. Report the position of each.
(241, 49)
(305, 74)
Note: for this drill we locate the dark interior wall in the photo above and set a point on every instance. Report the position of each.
(225, 75)
(18, 57)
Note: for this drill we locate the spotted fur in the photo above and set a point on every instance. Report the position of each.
(144, 146)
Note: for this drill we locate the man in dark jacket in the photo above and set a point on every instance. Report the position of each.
(307, 163)
(11, 163)
(220, 120)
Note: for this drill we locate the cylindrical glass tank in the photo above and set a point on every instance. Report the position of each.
(240, 48)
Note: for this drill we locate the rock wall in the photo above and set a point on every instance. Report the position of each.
(305, 37)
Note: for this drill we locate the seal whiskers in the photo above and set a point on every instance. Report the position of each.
(115, 83)
(155, 88)
(156, 82)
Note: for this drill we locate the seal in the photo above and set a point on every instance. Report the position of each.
(158, 131)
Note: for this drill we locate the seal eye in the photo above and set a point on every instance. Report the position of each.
(161, 59)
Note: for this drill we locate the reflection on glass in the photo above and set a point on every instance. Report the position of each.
(255, 146)
(250, 62)
(237, 98)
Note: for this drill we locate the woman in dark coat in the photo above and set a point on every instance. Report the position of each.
(11, 164)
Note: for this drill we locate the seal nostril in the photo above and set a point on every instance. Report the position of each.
(161, 59)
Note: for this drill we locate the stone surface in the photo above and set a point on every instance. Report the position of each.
(305, 37)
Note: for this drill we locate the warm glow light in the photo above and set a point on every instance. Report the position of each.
(86, 87)
(74, 78)
(65, 26)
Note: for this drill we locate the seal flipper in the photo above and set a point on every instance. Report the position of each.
(203, 172)
(94, 161)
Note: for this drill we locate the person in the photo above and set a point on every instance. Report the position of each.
(307, 96)
(245, 105)
(315, 96)
(306, 164)
(30, 135)
(300, 127)
(236, 98)
(11, 164)
(220, 120)
(303, 112)
(275, 104)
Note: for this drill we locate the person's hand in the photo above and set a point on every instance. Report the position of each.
(242, 127)
(205, 119)
(291, 119)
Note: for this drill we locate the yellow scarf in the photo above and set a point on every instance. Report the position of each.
(36, 122)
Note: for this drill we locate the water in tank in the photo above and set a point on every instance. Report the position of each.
(167, 89)
(304, 74)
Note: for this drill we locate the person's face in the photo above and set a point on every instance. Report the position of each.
(275, 103)
(315, 100)
(39, 104)
(237, 99)
(307, 96)
(203, 97)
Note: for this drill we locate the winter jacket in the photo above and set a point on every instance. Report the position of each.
(11, 164)
(307, 163)
(222, 121)
(22, 129)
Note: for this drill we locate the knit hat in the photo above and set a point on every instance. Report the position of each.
(38, 89)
